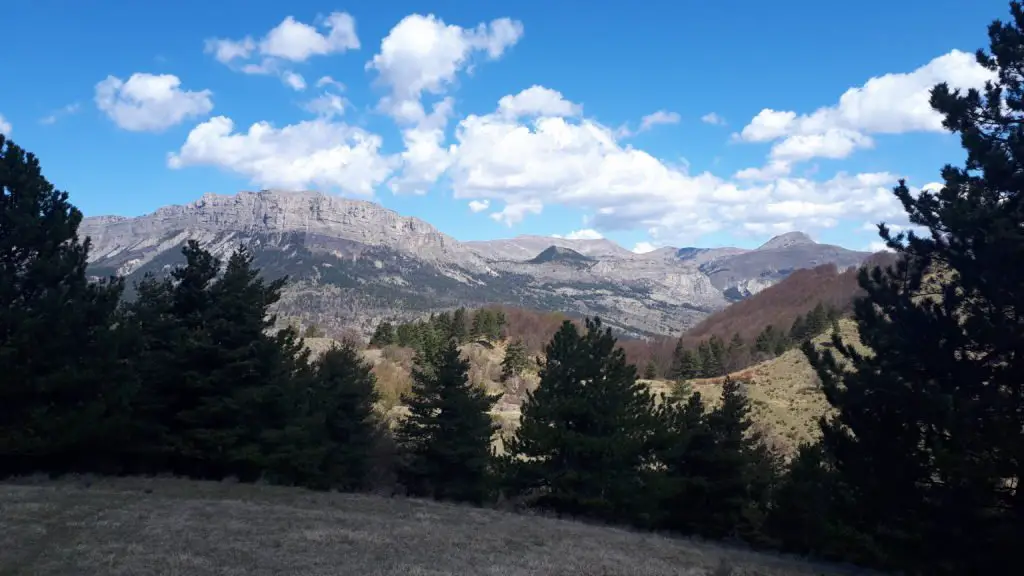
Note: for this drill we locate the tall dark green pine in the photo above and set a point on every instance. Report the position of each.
(584, 441)
(741, 470)
(929, 435)
(515, 360)
(445, 441)
(684, 448)
(61, 401)
(685, 364)
(344, 392)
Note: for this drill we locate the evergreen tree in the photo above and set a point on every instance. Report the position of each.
(445, 442)
(717, 351)
(650, 370)
(460, 325)
(384, 335)
(61, 395)
(798, 333)
(515, 361)
(585, 435)
(243, 379)
(817, 321)
(929, 431)
(684, 447)
(344, 393)
(741, 471)
(685, 364)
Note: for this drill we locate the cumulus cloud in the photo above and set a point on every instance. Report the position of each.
(479, 205)
(890, 104)
(150, 103)
(315, 153)
(712, 118)
(527, 162)
(289, 42)
(422, 55)
(5, 126)
(644, 247)
(537, 101)
(584, 234)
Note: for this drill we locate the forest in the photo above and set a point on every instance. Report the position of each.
(917, 471)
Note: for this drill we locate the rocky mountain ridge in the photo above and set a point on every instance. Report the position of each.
(353, 263)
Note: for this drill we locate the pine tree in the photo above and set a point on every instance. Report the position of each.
(741, 473)
(798, 332)
(515, 360)
(61, 399)
(384, 335)
(344, 394)
(460, 325)
(650, 370)
(685, 364)
(445, 441)
(585, 432)
(684, 447)
(929, 432)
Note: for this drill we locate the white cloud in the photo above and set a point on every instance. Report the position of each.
(57, 114)
(659, 117)
(889, 104)
(328, 81)
(5, 126)
(479, 205)
(713, 118)
(878, 246)
(296, 81)
(527, 162)
(315, 153)
(147, 102)
(227, 51)
(422, 54)
(644, 247)
(584, 234)
(514, 212)
(290, 41)
(537, 101)
(327, 105)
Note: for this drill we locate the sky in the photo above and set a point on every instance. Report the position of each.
(652, 123)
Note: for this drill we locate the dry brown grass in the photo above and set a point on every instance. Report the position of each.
(147, 527)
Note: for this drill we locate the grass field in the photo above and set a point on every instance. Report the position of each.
(177, 527)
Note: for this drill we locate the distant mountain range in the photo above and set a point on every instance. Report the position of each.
(353, 263)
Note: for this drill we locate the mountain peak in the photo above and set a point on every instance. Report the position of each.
(786, 240)
(560, 254)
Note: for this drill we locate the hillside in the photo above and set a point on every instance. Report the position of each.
(354, 263)
(166, 526)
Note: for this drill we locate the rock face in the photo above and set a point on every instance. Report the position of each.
(353, 263)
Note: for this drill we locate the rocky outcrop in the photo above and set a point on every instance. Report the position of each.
(352, 263)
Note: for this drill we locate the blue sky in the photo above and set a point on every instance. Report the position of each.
(491, 119)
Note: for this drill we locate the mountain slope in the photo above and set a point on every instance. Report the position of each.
(353, 263)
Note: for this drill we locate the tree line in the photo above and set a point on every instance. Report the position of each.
(462, 325)
(918, 469)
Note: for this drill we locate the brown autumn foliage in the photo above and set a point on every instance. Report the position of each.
(533, 327)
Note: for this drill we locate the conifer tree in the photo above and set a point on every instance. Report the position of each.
(445, 441)
(741, 473)
(384, 335)
(515, 360)
(650, 370)
(684, 448)
(798, 332)
(344, 394)
(685, 364)
(586, 431)
(929, 432)
(460, 325)
(61, 401)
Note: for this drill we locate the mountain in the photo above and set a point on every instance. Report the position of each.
(353, 263)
